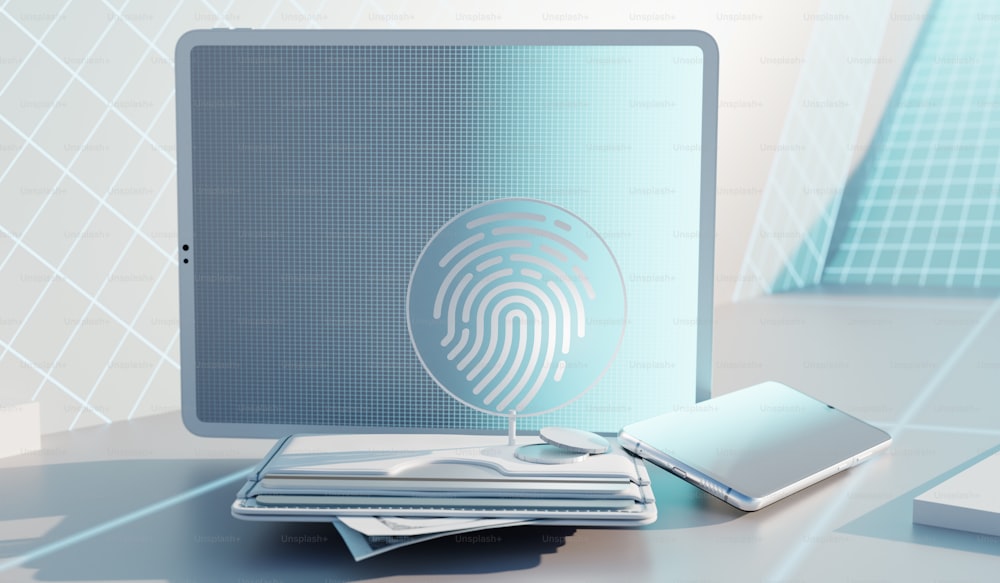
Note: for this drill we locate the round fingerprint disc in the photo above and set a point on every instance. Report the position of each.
(516, 305)
(543, 453)
(575, 440)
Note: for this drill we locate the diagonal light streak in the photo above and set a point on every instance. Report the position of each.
(96, 93)
(69, 164)
(128, 245)
(795, 556)
(125, 519)
(152, 375)
(11, 350)
(58, 269)
(45, 117)
(270, 15)
(118, 347)
(119, 12)
(131, 327)
(41, 207)
(96, 211)
(83, 292)
(220, 17)
(76, 75)
(69, 174)
(37, 42)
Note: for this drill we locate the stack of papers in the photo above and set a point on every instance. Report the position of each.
(405, 488)
(367, 536)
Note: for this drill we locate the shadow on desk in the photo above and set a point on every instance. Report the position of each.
(894, 520)
(198, 540)
(682, 505)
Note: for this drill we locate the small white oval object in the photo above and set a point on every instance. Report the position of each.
(575, 440)
(543, 453)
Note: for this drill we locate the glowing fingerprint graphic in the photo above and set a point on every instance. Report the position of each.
(516, 304)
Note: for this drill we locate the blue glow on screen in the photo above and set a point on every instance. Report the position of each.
(321, 173)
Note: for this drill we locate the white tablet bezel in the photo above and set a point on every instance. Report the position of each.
(246, 37)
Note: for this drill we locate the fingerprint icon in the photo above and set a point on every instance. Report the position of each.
(516, 305)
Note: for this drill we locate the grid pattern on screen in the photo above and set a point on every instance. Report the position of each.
(924, 209)
(321, 171)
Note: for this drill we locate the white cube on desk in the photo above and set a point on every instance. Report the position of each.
(969, 501)
(20, 429)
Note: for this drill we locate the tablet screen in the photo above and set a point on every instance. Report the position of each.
(322, 168)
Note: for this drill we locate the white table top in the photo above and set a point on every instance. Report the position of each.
(146, 500)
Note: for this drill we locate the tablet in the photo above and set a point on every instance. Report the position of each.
(369, 220)
(755, 446)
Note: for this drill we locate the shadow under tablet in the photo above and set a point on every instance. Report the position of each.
(683, 505)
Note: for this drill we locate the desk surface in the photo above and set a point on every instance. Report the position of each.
(146, 500)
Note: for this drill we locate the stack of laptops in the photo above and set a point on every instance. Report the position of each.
(385, 491)
(322, 477)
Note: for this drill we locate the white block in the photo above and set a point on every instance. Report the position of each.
(20, 429)
(968, 501)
